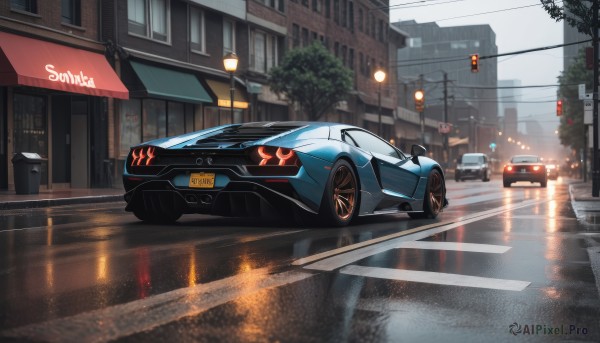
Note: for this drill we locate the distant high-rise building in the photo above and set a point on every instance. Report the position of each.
(467, 99)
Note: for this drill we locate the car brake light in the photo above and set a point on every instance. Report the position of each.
(275, 156)
(536, 168)
(143, 156)
(509, 168)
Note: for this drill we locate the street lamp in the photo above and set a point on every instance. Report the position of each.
(230, 61)
(379, 77)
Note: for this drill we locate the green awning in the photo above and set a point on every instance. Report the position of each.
(171, 84)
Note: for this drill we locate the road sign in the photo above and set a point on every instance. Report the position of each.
(444, 127)
(588, 108)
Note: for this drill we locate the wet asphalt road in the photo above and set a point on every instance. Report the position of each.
(497, 265)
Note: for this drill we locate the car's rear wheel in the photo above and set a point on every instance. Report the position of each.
(434, 199)
(506, 184)
(340, 199)
(544, 184)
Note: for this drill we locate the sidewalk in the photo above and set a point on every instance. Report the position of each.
(9, 200)
(586, 207)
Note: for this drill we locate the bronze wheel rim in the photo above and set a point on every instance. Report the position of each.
(344, 193)
(436, 193)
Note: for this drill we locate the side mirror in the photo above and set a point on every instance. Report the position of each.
(417, 150)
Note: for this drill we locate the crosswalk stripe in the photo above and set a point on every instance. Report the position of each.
(435, 278)
(458, 246)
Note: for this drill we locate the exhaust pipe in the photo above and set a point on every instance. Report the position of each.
(206, 199)
(191, 198)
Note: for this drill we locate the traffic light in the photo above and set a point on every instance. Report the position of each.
(419, 100)
(474, 63)
(559, 109)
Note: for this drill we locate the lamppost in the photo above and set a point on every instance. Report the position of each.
(230, 62)
(379, 77)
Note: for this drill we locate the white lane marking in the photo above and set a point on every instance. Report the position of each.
(475, 199)
(436, 278)
(127, 319)
(337, 258)
(458, 246)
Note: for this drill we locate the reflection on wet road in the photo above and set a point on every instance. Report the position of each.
(495, 257)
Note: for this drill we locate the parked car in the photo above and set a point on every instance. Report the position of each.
(525, 168)
(473, 166)
(552, 169)
(334, 172)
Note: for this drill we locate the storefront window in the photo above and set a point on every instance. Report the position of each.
(131, 128)
(154, 119)
(30, 123)
(176, 124)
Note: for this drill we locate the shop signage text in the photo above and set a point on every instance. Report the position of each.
(70, 78)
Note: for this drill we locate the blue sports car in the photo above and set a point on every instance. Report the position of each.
(333, 172)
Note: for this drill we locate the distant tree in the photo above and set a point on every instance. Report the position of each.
(576, 13)
(312, 78)
(571, 127)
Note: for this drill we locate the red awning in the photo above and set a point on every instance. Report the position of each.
(31, 62)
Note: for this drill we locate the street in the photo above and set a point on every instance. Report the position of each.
(497, 264)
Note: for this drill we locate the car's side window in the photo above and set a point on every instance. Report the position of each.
(348, 139)
(369, 142)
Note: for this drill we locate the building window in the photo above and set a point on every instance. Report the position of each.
(380, 31)
(360, 19)
(316, 5)
(351, 16)
(24, 5)
(344, 55)
(304, 37)
(305, 3)
(414, 42)
(149, 18)
(228, 36)
(197, 36)
(336, 11)
(263, 51)
(336, 49)
(327, 8)
(71, 12)
(344, 13)
(295, 35)
(276, 4)
(361, 63)
(351, 59)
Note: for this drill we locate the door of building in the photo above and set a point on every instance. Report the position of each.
(79, 143)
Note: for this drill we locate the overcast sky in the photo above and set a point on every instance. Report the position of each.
(519, 25)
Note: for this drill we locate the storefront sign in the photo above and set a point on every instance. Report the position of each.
(70, 78)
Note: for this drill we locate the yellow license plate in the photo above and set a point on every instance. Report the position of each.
(202, 180)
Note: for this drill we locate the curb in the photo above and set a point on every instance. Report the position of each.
(14, 205)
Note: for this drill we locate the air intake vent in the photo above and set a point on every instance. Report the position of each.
(242, 134)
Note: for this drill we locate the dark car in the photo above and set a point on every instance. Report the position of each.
(473, 166)
(525, 168)
(552, 168)
(334, 172)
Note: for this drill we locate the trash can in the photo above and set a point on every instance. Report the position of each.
(27, 167)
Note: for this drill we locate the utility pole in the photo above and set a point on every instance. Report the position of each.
(446, 151)
(595, 157)
(422, 114)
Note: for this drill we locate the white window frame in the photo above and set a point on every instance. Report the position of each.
(149, 20)
(270, 48)
(202, 34)
(226, 50)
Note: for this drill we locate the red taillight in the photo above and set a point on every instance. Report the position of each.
(509, 168)
(274, 156)
(536, 168)
(143, 156)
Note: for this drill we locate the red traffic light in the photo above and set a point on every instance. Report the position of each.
(475, 63)
(559, 107)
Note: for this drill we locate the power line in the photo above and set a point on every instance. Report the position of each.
(454, 59)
